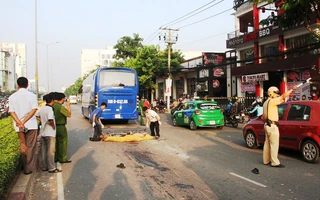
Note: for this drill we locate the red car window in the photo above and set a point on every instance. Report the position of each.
(299, 113)
(281, 110)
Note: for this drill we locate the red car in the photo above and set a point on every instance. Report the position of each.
(299, 127)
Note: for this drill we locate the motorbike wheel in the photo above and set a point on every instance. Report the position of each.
(234, 123)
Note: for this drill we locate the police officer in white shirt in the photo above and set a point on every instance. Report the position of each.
(23, 104)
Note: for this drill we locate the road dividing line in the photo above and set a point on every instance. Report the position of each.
(249, 180)
(60, 184)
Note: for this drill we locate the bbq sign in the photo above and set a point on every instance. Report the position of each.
(255, 77)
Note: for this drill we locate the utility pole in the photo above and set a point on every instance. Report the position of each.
(169, 40)
(36, 43)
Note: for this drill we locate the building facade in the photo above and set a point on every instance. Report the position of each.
(92, 58)
(268, 55)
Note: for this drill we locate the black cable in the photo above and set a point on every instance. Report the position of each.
(188, 14)
(205, 18)
(195, 13)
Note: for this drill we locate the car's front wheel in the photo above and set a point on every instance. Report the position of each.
(251, 140)
(174, 121)
(193, 125)
(310, 151)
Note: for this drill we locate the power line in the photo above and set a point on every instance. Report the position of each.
(188, 13)
(158, 32)
(203, 38)
(197, 13)
(205, 18)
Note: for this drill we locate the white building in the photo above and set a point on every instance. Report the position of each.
(92, 58)
(12, 64)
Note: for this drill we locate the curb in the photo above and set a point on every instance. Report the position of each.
(22, 188)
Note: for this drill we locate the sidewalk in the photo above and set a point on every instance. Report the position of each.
(22, 188)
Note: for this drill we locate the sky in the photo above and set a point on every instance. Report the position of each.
(95, 24)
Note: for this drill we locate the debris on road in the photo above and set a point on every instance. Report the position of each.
(255, 171)
(121, 165)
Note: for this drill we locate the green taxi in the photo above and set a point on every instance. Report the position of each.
(198, 114)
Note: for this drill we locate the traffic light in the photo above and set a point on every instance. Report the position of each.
(263, 9)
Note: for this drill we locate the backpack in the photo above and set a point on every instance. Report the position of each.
(92, 114)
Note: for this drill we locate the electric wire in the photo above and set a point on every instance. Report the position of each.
(205, 18)
(158, 33)
(188, 13)
(155, 32)
(196, 13)
(178, 45)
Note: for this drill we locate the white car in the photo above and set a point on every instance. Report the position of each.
(73, 99)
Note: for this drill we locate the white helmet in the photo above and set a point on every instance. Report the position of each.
(272, 90)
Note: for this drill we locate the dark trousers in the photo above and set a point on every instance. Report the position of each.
(28, 149)
(154, 125)
(97, 130)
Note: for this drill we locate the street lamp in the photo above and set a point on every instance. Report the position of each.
(48, 59)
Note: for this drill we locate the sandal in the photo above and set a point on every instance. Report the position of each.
(44, 170)
(55, 171)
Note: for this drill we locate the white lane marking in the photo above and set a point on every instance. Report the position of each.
(249, 180)
(60, 183)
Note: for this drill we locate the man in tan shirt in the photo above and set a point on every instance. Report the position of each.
(270, 113)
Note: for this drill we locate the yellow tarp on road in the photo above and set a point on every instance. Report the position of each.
(128, 138)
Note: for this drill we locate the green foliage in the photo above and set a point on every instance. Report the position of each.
(151, 62)
(9, 153)
(74, 89)
(296, 12)
(128, 47)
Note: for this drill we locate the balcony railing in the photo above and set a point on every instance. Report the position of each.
(310, 49)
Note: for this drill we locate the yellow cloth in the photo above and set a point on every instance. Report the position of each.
(128, 138)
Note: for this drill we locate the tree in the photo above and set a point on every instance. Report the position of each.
(128, 47)
(296, 12)
(75, 88)
(151, 62)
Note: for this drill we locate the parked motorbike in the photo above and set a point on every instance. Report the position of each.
(231, 120)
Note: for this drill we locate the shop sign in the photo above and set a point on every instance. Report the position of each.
(255, 77)
(234, 41)
(250, 36)
(215, 83)
(203, 73)
(218, 72)
(264, 32)
(212, 58)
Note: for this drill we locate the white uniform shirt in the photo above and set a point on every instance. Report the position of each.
(22, 102)
(151, 115)
(46, 113)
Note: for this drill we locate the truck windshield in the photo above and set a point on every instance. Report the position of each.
(116, 78)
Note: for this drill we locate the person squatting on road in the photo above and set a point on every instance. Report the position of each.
(61, 113)
(271, 117)
(154, 119)
(48, 135)
(96, 122)
(22, 107)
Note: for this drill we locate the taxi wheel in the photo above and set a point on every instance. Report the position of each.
(193, 125)
(310, 151)
(251, 140)
(174, 121)
(220, 127)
